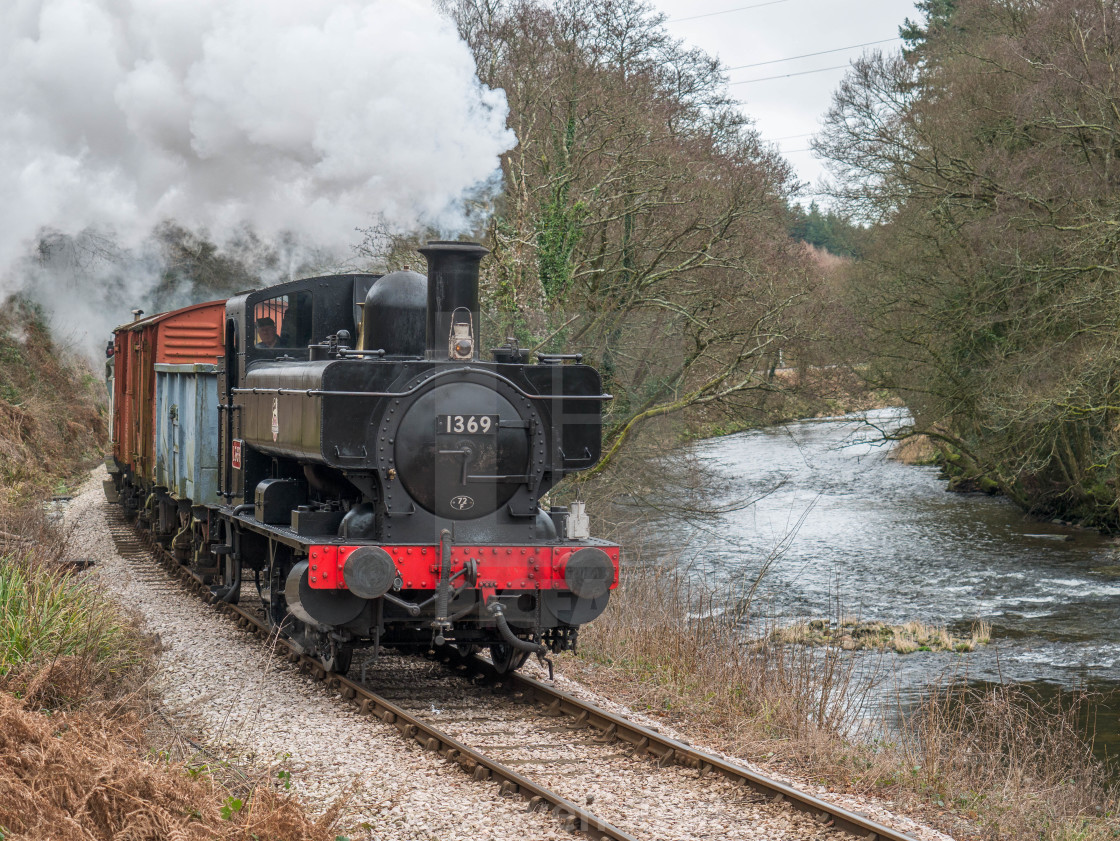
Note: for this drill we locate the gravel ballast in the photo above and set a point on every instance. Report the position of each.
(244, 703)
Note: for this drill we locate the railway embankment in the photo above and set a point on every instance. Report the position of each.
(53, 420)
(86, 748)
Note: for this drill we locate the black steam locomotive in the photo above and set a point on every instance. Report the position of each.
(378, 481)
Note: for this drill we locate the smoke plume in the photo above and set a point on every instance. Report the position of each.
(294, 120)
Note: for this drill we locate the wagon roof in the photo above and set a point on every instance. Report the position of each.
(161, 316)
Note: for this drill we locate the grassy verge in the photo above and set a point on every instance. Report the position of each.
(987, 763)
(51, 616)
(673, 652)
(76, 759)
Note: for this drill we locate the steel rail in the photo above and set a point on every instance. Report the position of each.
(669, 751)
(470, 760)
(644, 740)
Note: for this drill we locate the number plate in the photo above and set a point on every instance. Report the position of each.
(467, 424)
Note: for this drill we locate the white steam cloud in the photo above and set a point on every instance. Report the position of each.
(304, 117)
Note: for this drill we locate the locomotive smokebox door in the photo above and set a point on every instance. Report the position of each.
(275, 499)
(462, 451)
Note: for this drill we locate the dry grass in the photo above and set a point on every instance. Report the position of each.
(676, 652)
(1024, 768)
(75, 717)
(915, 449)
(85, 774)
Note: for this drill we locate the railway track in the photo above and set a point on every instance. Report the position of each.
(463, 713)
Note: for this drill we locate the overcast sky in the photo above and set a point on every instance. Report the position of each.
(787, 110)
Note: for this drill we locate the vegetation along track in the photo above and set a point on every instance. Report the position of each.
(490, 724)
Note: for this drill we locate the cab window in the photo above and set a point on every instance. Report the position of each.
(283, 322)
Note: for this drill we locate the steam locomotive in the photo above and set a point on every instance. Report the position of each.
(340, 442)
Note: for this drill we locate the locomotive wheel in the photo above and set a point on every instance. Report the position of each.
(463, 650)
(339, 662)
(506, 658)
(457, 653)
(334, 657)
(228, 576)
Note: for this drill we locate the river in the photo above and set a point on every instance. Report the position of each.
(846, 524)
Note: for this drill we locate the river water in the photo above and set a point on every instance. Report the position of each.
(843, 523)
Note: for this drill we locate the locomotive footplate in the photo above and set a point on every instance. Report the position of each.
(517, 556)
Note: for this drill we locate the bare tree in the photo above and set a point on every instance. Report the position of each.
(642, 221)
(988, 159)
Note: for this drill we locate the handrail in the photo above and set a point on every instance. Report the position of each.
(321, 392)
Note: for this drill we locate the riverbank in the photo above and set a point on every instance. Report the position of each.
(974, 764)
(826, 523)
(1091, 508)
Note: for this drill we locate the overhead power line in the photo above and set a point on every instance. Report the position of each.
(729, 11)
(788, 75)
(811, 55)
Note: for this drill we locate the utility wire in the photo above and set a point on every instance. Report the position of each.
(729, 11)
(810, 55)
(789, 75)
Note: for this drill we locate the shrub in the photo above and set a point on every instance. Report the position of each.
(47, 614)
(1023, 765)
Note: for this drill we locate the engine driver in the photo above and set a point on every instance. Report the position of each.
(266, 333)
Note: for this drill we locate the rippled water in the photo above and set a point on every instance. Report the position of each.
(844, 521)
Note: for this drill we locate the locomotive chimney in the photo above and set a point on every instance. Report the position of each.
(452, 331)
